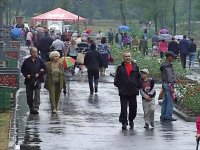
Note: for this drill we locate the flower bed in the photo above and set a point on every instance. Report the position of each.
(188, 91)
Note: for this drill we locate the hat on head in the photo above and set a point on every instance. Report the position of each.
(170, 53)
(145, 71)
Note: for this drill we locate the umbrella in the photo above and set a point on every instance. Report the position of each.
(163, 31)
(180, 37)
(67, 62)
(88, 31)
(166, 37)
(123, 28)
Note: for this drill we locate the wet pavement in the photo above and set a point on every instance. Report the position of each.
(85, 122)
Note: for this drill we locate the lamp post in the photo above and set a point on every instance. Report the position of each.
(1, 28)
(78, 4)
(189, 18)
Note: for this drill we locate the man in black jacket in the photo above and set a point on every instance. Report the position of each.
(127, 79)
(43, 46)
(33, 69)
(93, 62)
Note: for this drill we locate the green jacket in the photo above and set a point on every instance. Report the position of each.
(48, 81)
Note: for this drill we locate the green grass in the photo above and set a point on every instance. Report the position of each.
(4, 129)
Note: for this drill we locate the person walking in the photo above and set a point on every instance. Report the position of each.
(173, 46)
(148, 93)
(192, 52)
(143, 46)
(184, 46)
(162, 48)
(43, 45)
(110, 37)
(127, 80)
(54, 79)
(93, 62)
(168, 77)
(29, 39)
(33, 69)
(104, 50)
(59, 46)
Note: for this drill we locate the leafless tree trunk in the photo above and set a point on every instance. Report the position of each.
(19, 2)
(122, 12)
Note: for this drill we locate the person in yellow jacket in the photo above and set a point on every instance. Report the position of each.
(54, 79)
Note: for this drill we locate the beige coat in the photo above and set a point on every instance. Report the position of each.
(48, 81)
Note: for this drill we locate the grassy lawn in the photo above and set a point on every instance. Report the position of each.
(4, 130)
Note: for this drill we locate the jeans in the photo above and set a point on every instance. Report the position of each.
(125, 101)
(167, 105)
(191, 59)
(93, 75)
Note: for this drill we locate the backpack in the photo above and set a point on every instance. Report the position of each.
(15, 33)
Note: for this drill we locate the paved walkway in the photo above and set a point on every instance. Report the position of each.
(87, 122)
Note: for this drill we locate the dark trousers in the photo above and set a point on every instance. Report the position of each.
(33, 96)
(183, 59)
(93, 76)
(125, 101)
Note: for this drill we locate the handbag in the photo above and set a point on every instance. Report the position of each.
(161, 94)
(80, 58)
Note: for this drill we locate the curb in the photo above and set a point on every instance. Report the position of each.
(184, 116)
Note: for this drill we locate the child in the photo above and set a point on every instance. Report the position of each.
(148, 93)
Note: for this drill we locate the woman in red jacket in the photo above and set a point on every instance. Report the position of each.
(198, 127)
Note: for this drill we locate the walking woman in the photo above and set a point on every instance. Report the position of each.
(54, 79)
(104, 50)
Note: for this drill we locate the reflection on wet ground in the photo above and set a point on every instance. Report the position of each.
(90, 122)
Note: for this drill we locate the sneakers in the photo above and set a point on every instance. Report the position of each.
(152, 124)
(131, 124)
(54, 111)
(146, 126)
(64, 92)
(124, 126)
(170, 119)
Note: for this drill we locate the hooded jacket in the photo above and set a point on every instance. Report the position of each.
(167, 72)
(127, 85)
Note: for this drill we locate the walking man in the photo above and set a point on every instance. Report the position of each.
(127, 79)
(33, 69)
(184, 46)
(168, 79)
(93, 62)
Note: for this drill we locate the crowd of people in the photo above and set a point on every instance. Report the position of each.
(183, 48)
(47, 49)
(44, 66)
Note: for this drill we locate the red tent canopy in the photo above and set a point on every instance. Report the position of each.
(58, 14)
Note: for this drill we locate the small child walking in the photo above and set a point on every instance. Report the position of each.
(148, 93)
